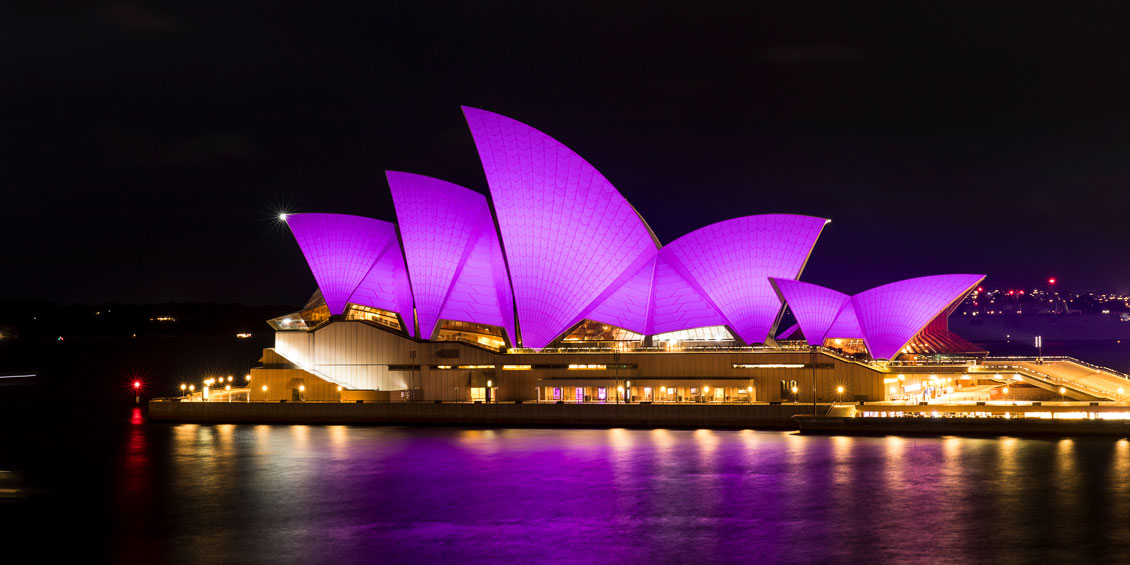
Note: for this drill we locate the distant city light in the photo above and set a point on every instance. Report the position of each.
(1051, 280)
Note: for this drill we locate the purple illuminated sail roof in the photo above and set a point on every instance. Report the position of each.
(385, 286)
(730, 263)
(569, 235)
(890, 315)
(454, 260)
(627, 301)
(342, 249)
(815, 307)
(678, 303)
(846, 325)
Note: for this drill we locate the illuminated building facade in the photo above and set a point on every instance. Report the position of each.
(557, 289)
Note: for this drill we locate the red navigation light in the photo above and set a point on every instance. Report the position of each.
(136, 384)
(1021, 292)
(980, 289)
(1051, 280)
(1010, 293)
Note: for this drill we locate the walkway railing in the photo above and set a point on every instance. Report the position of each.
(1055, 358)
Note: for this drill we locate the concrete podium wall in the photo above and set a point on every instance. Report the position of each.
(732, 416)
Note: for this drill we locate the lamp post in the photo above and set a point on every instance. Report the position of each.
(264, 392)
(839, 392)
(628, 393)
(137, 392)
(1062, 391)
(812, 357)
(182, 388)
(794, 394)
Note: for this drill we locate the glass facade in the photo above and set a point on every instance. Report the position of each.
(481, 335)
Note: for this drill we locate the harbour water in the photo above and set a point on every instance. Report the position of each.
(323, 494)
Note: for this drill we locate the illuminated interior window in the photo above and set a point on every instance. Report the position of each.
(481, 335)
(312, 315)
(706, 333)
(370, 314)
(589, 367)
(768, 365)
(590, 331)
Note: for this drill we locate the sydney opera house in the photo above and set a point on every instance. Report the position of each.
(556, 289)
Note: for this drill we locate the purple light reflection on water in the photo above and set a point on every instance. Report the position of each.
(338, 493)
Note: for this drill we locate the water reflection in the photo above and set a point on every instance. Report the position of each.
(340, 493)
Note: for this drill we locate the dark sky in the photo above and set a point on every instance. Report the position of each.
(147, 147)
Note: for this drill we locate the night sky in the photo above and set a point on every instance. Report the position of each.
(148, 148)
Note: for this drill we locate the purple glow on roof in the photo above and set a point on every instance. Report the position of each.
(569, 235)
(891, 315)
(340, 250)
(628, 300)
(452, 250)
(846, 325)
(677, 303)
(815, 307)
(732, 262)
(385, 286)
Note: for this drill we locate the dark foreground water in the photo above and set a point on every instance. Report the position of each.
(318, 494)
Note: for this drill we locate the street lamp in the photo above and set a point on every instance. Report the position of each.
(182, 388)
(137, 392)
(706, 394)
(839, 392)
(1062, 391)
(794, 394)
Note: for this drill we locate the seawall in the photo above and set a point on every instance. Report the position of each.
(725, 416)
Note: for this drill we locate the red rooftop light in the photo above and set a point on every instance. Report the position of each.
(1051, 280)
